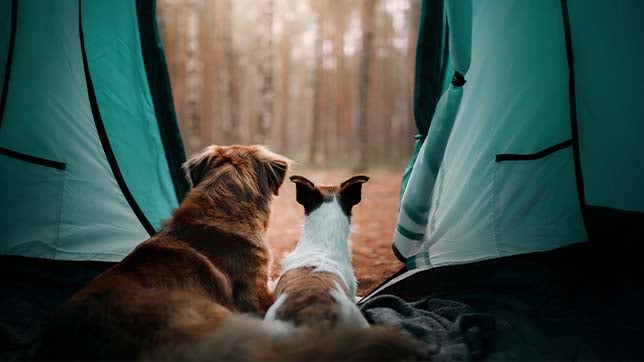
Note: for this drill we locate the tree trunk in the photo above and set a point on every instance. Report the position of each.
(193, 73)
(208, 94)
(317, 93)
(409, 129)
(360, 128)
(266, 70)
(285, 97)
(227, 90)
(339, 96)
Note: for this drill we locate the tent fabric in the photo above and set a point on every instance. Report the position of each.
(430, 71)
(7, 34)
(119, 78)
(459, 18)
(161, 92)
(78, 98)
(545, 125)
(606, 43)
(415, 212)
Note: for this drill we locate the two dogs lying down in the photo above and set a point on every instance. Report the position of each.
(197, 289)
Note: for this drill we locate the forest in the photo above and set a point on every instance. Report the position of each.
(327, 82)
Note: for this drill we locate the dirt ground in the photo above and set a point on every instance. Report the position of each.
(372, 223)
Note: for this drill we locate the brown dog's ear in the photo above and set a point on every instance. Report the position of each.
(275, 173)
(271, 170)
(351, 191)
(198, 166)
(306, 194)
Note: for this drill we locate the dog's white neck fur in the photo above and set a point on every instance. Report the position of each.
(324, 244)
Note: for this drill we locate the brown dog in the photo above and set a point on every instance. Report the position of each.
(209, 260)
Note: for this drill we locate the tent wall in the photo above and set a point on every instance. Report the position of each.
(543, 129)
(161, 93)
(6, 8)
(54, 211)
(430, 72)
(83, 169)
(125, 104)
(608, 50)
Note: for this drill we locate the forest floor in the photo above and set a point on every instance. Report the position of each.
(372, 224)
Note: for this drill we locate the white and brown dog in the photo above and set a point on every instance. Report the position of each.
(317, 285)
(316, 290)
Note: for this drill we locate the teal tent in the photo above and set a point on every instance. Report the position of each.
(526, 183)
(90, 151)
(536, 143)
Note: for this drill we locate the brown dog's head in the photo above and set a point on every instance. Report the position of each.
(244, 173)
(348, 194)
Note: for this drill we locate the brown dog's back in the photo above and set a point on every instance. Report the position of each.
(209, 260)
(140, 303)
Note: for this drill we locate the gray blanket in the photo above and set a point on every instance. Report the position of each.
(451, 330)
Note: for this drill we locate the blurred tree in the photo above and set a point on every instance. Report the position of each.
(319, 8)
(265, 69)
(208, 51)
(328, 82)
(284, 79)
(193, 76)
(408, 125)
(340, 120)
(361, 130)
(227, 91)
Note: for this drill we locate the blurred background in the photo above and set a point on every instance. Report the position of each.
(327, 82)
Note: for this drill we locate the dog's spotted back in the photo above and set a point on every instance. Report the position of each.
(317, 285)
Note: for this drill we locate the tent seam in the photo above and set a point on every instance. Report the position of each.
(39, 161)
(102, 134)
(494, 196)
(574, 122)
(174, 151)
(503, 157)
(8, 65)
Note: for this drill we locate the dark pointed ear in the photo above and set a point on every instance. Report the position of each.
(306, 193)
(351, 191)
(198, 166)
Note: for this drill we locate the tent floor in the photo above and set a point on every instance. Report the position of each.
(582, 302)
(30, 290)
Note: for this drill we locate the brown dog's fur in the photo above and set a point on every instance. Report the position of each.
(209, 260)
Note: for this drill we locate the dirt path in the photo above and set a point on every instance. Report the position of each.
(373, 223)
